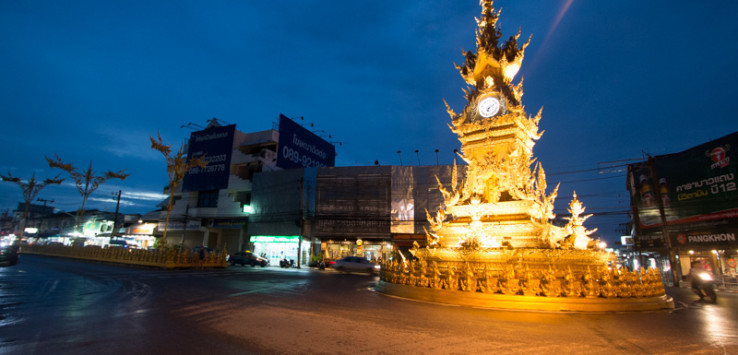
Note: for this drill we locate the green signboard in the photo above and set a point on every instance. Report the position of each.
(275, 238)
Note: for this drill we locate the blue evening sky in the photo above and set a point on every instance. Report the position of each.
(92, 80)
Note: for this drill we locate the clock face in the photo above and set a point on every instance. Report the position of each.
(488, 107)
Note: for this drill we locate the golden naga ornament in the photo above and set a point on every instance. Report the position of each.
(494, 235)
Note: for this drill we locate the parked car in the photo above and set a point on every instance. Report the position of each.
(118, 243)
(247, 258)
(9, 254)
(356, 264)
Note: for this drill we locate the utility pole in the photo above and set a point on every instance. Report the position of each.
(184, 229)
(115, 219)
(302, 224)
(675, 267)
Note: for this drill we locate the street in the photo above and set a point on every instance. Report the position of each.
(60, 306)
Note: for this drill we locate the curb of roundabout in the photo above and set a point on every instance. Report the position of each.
(527, 303)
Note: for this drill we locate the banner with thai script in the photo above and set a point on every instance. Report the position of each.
(300, 148)
(215, 146)
(696, 185)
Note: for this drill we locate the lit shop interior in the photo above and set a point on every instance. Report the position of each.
(373, 250)
(278, 247)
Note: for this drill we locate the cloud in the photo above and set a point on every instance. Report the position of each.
(112, 200)
(126, 143)
(144, 195)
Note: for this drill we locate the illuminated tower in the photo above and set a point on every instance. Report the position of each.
(501, 202)
(491, 243)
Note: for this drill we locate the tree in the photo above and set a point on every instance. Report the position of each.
(30, 191)
(177, 166)
(87, 182)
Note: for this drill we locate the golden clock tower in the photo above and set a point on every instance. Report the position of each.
(501, 202)
(492, 243)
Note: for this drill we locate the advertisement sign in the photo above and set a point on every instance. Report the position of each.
(300, 148)
(192, 225)
(696, 188)
(696, 185)
(216, 145)
(145, 228)
(403, 202)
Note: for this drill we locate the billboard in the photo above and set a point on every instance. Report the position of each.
(216, 144)
(696, 188)
(300, 148)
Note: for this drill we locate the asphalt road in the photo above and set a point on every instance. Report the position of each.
(60, 306)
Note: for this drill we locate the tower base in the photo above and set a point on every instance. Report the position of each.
(530, 303)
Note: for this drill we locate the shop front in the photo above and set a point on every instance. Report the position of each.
(140, 235)
(279, 247)
(371, 249)
(715, 251)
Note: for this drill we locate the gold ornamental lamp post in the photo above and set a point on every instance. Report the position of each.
(30, 188)
(86, 181)
(177, 166)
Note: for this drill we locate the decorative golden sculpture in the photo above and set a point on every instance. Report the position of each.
(493, 234)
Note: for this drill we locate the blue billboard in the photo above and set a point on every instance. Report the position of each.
(216, 145)
(300, 148)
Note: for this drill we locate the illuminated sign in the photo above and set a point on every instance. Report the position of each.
(216, 145)
(693, 186)
(275, 239)
(146, 228)
(300, 148)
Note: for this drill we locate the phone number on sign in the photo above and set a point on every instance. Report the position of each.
(301, 159)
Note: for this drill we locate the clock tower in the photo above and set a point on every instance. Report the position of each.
(501, 202)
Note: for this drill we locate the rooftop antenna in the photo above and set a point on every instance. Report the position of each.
(192, 126)
(217, 121)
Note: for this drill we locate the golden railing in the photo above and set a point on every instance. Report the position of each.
(159, 258)
(554, 281)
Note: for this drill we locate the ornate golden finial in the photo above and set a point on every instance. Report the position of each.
(579, 236)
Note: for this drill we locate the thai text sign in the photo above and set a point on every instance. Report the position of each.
(216, 145)
(300, 148)
(693, 186)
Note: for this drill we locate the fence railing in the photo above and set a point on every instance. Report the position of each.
(159, 258)
(729, 283)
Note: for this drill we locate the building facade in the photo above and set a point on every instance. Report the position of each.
(685, 207)
(333, 212)
(209, 205)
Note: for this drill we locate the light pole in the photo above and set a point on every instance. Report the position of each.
(436, 157)
(115, 219)
(399, 152)
(418, 156)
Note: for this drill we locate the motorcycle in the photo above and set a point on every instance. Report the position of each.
(286, 263)
(705, 286)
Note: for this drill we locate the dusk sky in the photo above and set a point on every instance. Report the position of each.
(92, 80)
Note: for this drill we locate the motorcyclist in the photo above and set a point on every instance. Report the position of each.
(696, 280)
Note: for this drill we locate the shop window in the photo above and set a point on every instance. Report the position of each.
(207, 198)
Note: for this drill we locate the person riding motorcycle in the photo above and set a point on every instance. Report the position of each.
(702, 281)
